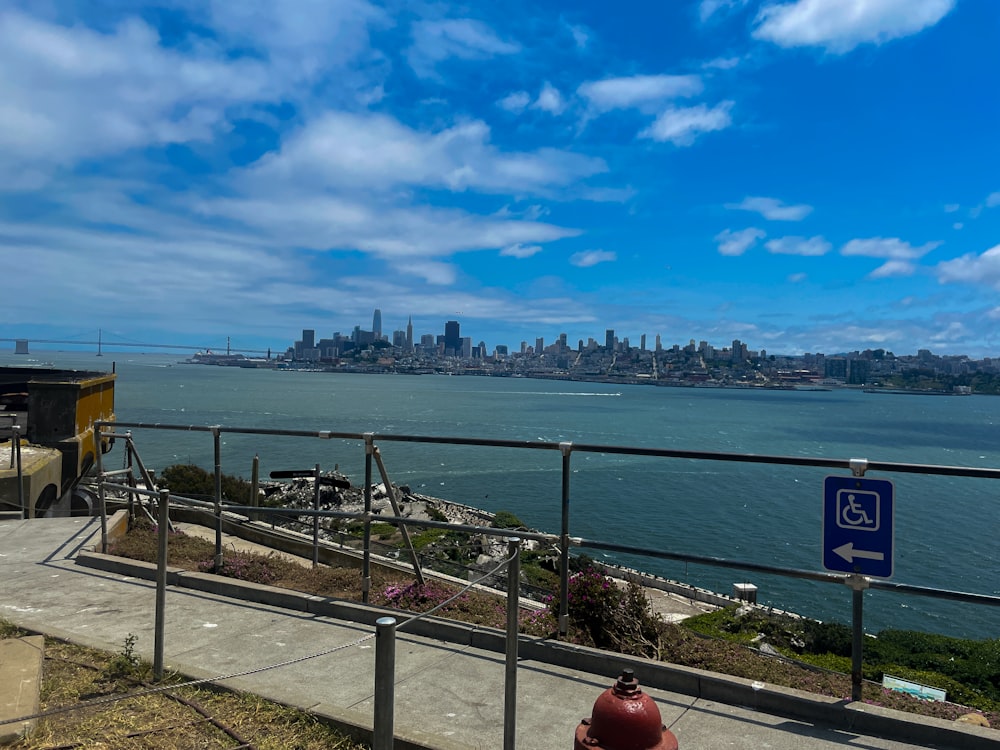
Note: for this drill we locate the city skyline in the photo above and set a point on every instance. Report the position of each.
(805, 175)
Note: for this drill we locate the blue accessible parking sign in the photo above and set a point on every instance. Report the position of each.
(857, 526)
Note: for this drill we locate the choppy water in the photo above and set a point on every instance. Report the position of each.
(946, 528)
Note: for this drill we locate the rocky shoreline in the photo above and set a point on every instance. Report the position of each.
(671, 599)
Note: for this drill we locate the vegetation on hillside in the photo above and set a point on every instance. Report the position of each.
(617, 616)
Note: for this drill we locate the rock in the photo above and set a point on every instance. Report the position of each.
(977, 719)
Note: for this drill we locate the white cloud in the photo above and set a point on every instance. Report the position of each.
(581, 36)
(709, 8)
(797, 278)
(951, 208)
(812, 246)
(681, 126)
(993, 200)
(378, 152)
(638, 91)
(772, 208)
(550, 100)
(958, 225)
(69, 93)
(887, 247)
(516, 102)
(587, 258)
(521, 251)
(433, 272)
(461, 38)
(301, 41)
(737, 243)
(842, 25)
(722, 63)
(892, 269)
(972, 269)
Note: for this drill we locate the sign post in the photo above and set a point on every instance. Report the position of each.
(858, 540)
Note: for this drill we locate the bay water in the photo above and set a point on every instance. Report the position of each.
(946, 528)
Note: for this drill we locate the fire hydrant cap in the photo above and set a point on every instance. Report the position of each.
(624, 718)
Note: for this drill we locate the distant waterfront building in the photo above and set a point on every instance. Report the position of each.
(466, 347)
(308, 338)
(377, 324)
(501, 351)
(409, 334)
(659, 344)
(562, 341)
(609, 339)
(642, 342)
(539, 345)
(835, 368)
(427, 343)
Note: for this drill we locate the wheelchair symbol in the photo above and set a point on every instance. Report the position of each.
(858, 510)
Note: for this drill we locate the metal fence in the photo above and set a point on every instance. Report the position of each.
(858, 583)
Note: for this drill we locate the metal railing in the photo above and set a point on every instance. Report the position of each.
(857, 583)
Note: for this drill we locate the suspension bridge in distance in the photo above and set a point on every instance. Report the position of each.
(21, 345)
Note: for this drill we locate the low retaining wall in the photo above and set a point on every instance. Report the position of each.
(771, 699)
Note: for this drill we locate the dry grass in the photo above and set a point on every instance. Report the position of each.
(181, 717)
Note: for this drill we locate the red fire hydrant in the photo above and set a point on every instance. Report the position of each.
(624, 718)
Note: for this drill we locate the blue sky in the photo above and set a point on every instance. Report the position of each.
(809, 175)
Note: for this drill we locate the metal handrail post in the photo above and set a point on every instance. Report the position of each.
(858, 585)
(510, 665)
(255, 487)
(315, 560)
(130, 477)
(217, 441)
(101, 492)
(377, 455)
(163, 521)
(15, 433)
(385, 677)
(566, 449)
(366, 564)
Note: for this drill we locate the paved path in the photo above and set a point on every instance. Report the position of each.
(451, 696)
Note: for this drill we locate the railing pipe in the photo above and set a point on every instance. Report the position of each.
(255, 487)
(510, 664)
(147, 478)
(101, 494)
(366, 563)
(315, 560)
(15, 431)
(162, 524)
(830, 463)
(385, 676)
(217, 443)
(564, 542)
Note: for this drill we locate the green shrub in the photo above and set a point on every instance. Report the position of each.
(504, 519)
(193, 481)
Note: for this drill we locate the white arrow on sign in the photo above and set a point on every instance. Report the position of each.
(848, 552)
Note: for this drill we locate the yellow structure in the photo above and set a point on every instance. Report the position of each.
(56, 411)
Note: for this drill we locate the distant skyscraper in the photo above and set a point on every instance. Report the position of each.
(452, 339)
(609, 339)
(539, 345)
(642, 342)
(308, 338)
(409, 334)
(377, 324)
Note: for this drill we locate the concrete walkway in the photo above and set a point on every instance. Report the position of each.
(448, 695)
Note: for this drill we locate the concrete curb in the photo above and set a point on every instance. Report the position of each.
(20, 684)
(771, 699)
